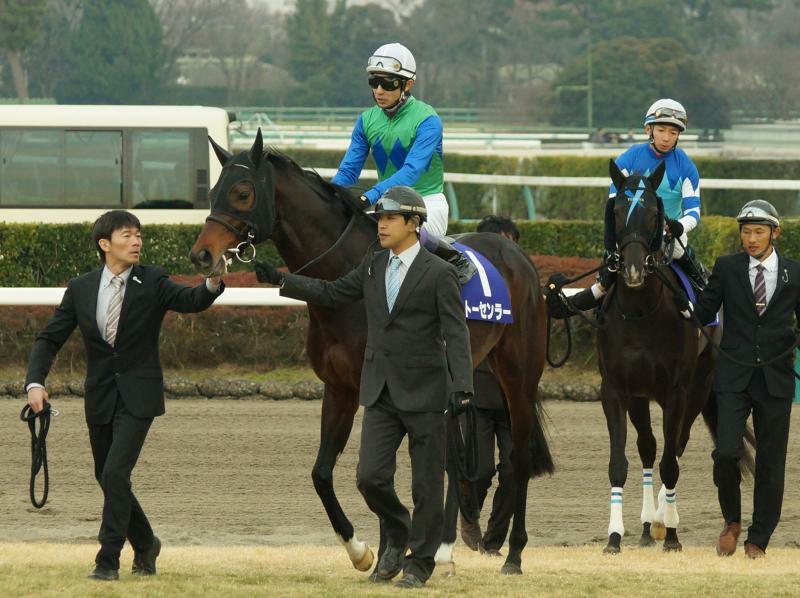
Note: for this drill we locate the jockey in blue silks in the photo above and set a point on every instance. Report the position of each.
(679, 190)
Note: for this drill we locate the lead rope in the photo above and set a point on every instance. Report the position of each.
(38, 448)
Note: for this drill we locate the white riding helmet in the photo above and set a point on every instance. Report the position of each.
(393, 59)
(758, 211)
(668, 112)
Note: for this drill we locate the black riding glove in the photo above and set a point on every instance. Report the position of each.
(606, 278)
(675, 227)
(681, 301)
(266, 272)
(364, 202)
(556, 308)
(460, 401)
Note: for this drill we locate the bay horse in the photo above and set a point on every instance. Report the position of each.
(319, 230)
(647, 350)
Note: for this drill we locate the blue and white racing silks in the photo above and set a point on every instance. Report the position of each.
(680, 187)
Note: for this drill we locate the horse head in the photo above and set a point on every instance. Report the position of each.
(242, 208)
(638, 216)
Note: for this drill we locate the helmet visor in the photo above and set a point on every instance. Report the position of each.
(387, 205)
(667, 112)
(387, 64)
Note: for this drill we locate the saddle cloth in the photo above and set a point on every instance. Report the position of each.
(485, 296)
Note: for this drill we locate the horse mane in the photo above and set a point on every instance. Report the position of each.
(324, 189)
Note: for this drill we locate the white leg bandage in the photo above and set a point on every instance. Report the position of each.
(444, 554)
(615, 524)
(648, 499)
(671, 518)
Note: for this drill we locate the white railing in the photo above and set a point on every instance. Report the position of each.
(233, 296)
(155, 216)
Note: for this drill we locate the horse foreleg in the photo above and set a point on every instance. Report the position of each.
(617, 464)
(669, 469)
(646, 444)
(444, 554)
(338, 412)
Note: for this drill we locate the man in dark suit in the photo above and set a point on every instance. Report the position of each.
(760, 292)
(494, 430)
(417, 353)
(118, 308)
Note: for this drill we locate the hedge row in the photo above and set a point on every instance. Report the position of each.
(586, 203)
(50, 254)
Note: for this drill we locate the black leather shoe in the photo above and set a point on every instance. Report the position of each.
(373, 578)
(144, 563)
(391, 563)
(103, 574)
(409, 581)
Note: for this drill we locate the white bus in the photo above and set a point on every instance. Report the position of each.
(58, 156)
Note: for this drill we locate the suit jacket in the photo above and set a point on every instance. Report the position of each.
(420, 350)
(132, 367)
(746, 335)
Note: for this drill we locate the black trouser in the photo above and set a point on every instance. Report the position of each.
(382, 431)
(494, 427)
(115, 448)
(771, 416)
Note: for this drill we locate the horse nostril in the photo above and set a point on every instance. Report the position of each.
(201, 259)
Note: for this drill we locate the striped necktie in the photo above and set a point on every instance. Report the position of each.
(760, 290)
(393, 282)
(114, 308)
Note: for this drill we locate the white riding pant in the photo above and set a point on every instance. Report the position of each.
(438, 214)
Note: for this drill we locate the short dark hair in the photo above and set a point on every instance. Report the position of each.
(499, 225)
(105, 226)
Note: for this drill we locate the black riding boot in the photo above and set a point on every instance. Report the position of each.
(694, 270)
(464, 266)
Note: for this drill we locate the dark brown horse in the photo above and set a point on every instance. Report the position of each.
(647, 350)
(318, 231)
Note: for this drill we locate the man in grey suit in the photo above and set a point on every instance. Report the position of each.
(417, 354)
(118, 308)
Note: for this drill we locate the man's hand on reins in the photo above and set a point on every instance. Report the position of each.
(556, 308)
(606, 278)
(364, 202)
(266, 272)
(36, 398)
(460, 402)
(682, 303)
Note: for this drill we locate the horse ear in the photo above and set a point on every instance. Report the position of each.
(223, 155)
(257, 151)
(658, 174)
(616, 174)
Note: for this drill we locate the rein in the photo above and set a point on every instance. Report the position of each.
(38, 448)
(333, 247)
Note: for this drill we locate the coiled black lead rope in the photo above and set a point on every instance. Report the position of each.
(38, 448)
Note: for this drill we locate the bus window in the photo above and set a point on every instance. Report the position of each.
(161, 170)
(30, 167)
(93, 168)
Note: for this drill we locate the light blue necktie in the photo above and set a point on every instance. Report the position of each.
(393, 283)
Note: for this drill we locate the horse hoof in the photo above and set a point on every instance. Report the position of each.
(446, 569)
(672, 546)
(646, 541)
(365, 563)
(658, 531)
(612, 549)
(511, 569)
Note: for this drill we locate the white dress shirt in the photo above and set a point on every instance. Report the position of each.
(104, 294)
(406, 258)
(770, 273)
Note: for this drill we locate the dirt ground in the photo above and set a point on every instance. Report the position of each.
(238, 473)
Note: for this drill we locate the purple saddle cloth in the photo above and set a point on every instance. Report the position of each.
(688, 288)
(485, 296)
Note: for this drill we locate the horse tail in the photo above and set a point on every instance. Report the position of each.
(747, 464)
(541, 458)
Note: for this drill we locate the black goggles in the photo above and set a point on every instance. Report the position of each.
(392, 206)
(670, 113)
(388, 83)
